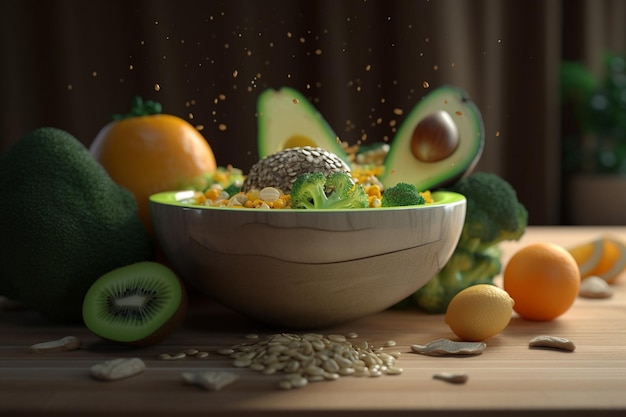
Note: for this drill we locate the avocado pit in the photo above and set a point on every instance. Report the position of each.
(435, 137)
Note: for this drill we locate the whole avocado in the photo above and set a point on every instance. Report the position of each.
(63, 223)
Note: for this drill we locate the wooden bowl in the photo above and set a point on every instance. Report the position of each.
(307, 268)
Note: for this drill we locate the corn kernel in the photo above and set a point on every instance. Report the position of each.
(373, 190)
(213, 193)
(220, 177)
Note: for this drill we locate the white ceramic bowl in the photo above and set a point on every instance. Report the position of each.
(307, 268)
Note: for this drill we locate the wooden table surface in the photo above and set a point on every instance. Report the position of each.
(508, 379)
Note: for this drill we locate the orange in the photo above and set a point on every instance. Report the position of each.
(479, 312)
(604, 257)
(543, 279)
(152, 153)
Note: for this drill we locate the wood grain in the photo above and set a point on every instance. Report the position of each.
(508, 379)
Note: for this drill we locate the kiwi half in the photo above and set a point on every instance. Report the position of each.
(139, 304)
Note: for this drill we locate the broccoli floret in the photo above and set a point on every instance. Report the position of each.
(233, 189)
(402, 194)
(493, 215)
(314, 190)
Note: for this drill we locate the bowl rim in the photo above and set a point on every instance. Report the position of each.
(176, 198)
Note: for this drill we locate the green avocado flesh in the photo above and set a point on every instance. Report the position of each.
(286, 119)
(439, 142)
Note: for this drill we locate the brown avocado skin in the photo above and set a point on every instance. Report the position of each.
(464, 139)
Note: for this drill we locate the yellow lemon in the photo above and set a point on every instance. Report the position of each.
(479, 312)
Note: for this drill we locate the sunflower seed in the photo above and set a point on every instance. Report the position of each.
(595, 287)
(442, 347)
(552, 342)
(64, 344)
(210, 380)
(115, 369)
(452, 377)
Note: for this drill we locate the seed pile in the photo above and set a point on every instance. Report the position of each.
(313, 357)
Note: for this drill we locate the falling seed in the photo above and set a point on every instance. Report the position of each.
(497, 133)
(295, 101)
(235, 73)
(157, 87)
(222, 127)
(425, 84)
(94, 73)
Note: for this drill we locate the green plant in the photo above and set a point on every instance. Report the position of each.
(595, 139)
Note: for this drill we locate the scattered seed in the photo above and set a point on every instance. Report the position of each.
(298, 382)
(452, 377)
(552, 342)
(210, 380)
(65, 344)
(179, 355)
(390, 343)
(165, 356)
(442, 347)
(394, 370)
(226, 351)
(595, 287)
(115, 369)
(202, 354)
(352, 335)
(284, 384)
(252, 336)
(191, 352)
(339, 338)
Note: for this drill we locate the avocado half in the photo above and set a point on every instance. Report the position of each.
(439, 142)
(287, 119)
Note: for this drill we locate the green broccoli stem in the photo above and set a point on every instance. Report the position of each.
(463, 269)
(139, 108)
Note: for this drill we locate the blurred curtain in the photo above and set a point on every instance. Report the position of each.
(73, 64)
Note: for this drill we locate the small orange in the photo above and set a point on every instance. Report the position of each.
(148, 152)
(543, 279)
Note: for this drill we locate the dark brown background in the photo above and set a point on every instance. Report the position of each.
(72, 64)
